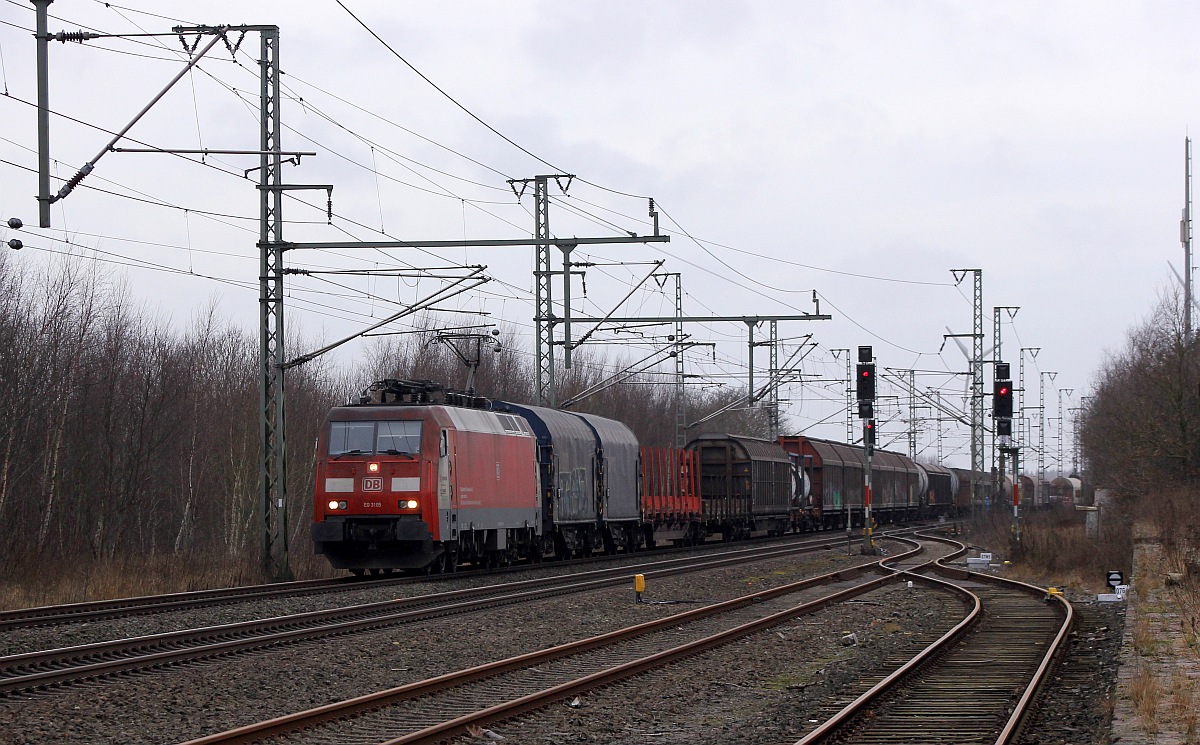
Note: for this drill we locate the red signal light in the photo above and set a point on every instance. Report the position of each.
(866, 382)
(1002, 402)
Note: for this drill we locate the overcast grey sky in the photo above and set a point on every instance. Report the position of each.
(858, 149)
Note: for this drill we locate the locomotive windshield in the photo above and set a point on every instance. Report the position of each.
(370, 438)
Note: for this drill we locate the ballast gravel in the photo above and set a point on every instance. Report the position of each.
(766, 688)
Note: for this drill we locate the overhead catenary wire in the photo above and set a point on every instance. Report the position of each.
(611, 224)
(187, 210)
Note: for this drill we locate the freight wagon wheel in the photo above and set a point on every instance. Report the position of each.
(356, 572)
(451, 562)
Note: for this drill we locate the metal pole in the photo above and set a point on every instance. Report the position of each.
(1016, 495)
(1186, 237)
(1042, 434)
(912, 414)
(977, 379)
(773, 382)
(750, 394)
(868, 546)
(566, 255)
(998, 356)
(849, 394)
(849, 398)
(273, 467)
(997, 456)
(43, 92)
(543, 307)
(1022, 435)
(680, 393)
(1079, 443)
(939, 428)
(1062, 427)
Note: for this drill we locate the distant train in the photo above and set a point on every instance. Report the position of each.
(414, 477)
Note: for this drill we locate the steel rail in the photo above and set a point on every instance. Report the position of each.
(284, 725)
(34, 670)
(1018, 716)
(839, 720)
(47, 615)
(121, 607)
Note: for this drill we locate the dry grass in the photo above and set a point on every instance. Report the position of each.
(1054, 548)
(1146, 693)
(1144, 642)
(1183, 694)
(120, 578)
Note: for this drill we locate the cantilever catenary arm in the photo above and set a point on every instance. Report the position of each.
(91, 164)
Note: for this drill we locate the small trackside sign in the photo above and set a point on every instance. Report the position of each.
(1115, 578)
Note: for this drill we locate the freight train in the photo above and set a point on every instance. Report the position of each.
(417, 478)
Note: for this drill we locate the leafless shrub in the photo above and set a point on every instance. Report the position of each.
(1054, 548)
(1139, 433)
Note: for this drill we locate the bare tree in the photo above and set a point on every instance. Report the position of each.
(1140, 431)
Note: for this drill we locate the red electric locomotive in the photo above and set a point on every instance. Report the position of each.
(404, 482)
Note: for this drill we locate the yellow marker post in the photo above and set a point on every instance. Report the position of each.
(639, 586)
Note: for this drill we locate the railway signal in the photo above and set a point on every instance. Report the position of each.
(1002, 399)
(866, 382)
(865, 387)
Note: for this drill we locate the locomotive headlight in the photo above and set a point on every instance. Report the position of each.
(333, 504)
(338, 505)
(373, 467)
(411, 504)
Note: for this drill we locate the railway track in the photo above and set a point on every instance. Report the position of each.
(122, 607)
(52, 668)
(974, 685)
(88, 612)
(449, 705)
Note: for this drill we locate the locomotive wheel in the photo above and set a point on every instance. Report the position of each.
(437, 566)
(451, 563)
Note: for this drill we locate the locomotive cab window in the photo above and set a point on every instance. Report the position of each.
(351, 437)
(398, 437)
(369, 438)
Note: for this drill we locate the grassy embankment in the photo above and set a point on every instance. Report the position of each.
(1055, 550)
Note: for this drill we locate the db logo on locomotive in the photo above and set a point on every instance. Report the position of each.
(372, 483)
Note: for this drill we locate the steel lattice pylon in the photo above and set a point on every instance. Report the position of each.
(680, 393)
(977, 377)
(544, 308)
(273, 466)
